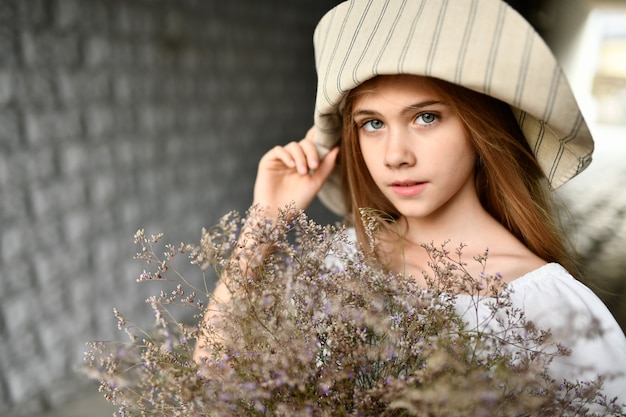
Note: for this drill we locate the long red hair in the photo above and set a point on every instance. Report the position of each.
(510, 184)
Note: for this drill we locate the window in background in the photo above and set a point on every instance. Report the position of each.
(609, 80)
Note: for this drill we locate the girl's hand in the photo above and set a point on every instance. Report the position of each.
(292, 173)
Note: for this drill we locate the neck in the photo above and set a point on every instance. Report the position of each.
(468, 223)
(474, 230)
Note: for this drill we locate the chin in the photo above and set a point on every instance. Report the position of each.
(409, 212)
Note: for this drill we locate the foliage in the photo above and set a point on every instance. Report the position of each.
(316, 327)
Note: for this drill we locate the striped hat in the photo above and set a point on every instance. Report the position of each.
(483, 45)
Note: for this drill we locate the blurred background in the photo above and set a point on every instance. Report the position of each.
(117, 115)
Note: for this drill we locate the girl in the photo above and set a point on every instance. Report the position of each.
(454, 118)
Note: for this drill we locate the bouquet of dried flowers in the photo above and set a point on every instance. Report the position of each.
(316, 327)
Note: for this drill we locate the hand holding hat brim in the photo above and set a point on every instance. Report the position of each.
(293, 173)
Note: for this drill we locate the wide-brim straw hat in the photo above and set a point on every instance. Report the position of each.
(483, 45)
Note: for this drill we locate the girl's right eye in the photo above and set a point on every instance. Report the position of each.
(373, 125)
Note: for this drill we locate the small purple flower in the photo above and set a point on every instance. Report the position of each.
(248, 386)
(324, 389)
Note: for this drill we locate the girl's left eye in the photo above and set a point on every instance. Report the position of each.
(426, 119)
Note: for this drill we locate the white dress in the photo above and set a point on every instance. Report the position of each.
(552, 299)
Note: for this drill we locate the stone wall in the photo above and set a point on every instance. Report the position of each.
(116, 115)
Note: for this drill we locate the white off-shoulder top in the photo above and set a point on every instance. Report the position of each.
(554, 300)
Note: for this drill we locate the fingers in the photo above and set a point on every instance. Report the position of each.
(305, 154)
(310, 153)
(293, 172)
(281, 154)
(327, 164)
(299, 155)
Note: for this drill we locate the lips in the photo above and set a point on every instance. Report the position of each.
(407, 188)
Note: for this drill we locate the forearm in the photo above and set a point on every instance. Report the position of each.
(248, 255)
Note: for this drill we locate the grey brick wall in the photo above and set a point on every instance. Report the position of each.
(116, 115)
(121, 114)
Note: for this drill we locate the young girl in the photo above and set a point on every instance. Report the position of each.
(453, 118)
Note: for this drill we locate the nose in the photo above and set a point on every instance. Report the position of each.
(399, 152)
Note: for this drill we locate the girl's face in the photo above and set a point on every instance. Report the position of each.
(414, 147)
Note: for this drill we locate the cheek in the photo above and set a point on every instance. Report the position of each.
(456, 159)
(372, 162)
(464, 163)
(467, 159)
(462, 149)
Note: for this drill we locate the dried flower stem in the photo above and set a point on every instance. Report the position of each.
(314, 327)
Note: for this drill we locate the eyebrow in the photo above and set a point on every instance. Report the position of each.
(409, 109)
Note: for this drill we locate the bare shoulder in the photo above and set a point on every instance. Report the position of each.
(508, 256)
(512, 259)
(511, 266)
